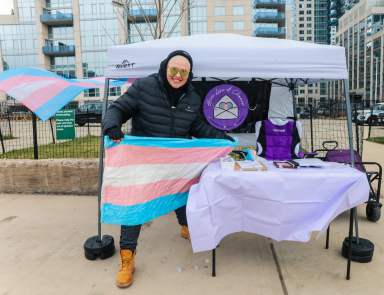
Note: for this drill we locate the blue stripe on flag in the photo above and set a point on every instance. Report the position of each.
(169, 142)
(50, 108)
(27, 71)
(142, 213)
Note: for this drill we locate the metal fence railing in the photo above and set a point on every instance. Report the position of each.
(22, 136)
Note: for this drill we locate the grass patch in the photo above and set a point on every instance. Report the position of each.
(83, 147)
(379, 139)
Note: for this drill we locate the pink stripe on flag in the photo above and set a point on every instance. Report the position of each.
(124, 155)
(142, 193)
(43, 95)
(10, 83)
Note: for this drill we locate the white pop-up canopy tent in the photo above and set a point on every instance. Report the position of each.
(225, 56)
(230, 55)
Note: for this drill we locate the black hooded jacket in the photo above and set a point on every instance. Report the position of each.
(148, 101)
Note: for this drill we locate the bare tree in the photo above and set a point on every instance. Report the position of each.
(159, 18)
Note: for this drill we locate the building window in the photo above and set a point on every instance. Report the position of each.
(219, 26)
(309, 5)
(220, 11)
(301, 38)
(301, 32)
(301, 25)
(309, 31)
(309, 25)
(309, 18)
(115, 91)
(309, 38)
(301, 12)
(301, 18)
(238, 25)
(94, 92)
(238, 10)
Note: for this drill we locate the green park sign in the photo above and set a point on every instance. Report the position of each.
(65, 124)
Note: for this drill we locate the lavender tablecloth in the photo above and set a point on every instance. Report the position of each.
(282, 204)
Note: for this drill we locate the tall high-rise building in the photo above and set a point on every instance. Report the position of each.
(361, 32)
(291, 20)
(312, 26)
(336, 9)
(321, 21)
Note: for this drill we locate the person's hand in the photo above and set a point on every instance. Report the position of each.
(226, 136)
(115, 134)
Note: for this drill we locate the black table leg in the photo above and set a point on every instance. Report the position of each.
(214, 262)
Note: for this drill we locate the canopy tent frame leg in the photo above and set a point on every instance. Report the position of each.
(98, 246)
(101, 158)
(352, 156)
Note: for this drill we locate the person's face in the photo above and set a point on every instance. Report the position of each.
(178, 69)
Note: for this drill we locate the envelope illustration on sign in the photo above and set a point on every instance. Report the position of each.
(226, 109)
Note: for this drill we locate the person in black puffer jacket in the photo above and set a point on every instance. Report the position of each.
(164, 104)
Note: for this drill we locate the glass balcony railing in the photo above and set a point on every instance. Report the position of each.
(268, 2)
(142, 15)
(333, 5)
(51, 17)
(59, 50)
(143, 12)
(269, 32)
(333, 12)
(264, 15)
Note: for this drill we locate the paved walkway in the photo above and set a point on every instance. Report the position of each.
(41, 253)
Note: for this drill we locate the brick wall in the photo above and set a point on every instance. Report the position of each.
(58, 176)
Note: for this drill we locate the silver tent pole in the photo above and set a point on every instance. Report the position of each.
(98, 246)
(101, 157)
(352, 155)
(349, 121)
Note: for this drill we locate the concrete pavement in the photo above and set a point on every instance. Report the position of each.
(41, 253)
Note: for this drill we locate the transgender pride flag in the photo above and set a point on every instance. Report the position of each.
(146, 177)
(44, 92)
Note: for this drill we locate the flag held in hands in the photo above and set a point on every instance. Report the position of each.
(146, 177)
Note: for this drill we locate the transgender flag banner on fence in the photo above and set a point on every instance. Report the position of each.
(44, 92)
(147, 177)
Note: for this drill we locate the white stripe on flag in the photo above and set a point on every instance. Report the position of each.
(25, 89)
(149, 173)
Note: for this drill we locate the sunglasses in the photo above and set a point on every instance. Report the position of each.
(173, 72)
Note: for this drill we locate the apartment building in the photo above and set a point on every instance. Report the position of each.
(361, 32)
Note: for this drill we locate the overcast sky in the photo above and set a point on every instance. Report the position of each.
(6, 6)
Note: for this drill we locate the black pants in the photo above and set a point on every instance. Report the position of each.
(130, 234)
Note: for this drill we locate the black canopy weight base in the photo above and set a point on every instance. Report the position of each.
(103, 248)
(362, 249)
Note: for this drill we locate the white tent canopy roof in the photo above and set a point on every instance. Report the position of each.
(230, 55)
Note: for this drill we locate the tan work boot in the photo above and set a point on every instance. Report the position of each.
(124, 277)
(184, 232)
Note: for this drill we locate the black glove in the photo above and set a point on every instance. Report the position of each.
(226, 136)
(114, 133)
